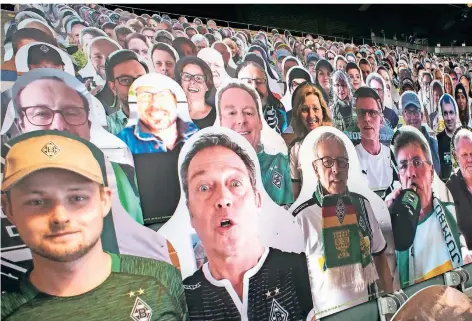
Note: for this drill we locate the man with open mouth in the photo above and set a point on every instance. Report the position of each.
(437, 230)
(239, 108)
(344, 244)
(242, 280)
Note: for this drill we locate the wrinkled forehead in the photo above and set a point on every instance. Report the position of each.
(330, 147)
(411, 150)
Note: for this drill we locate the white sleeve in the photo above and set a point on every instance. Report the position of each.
(378, 240)
(294, 172)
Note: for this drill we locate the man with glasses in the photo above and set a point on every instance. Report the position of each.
(159, 128)
(122, 69)
(376, 82)
(374, 156)
(274, 112)
(436, 231)
(344, 243)
(411, 109)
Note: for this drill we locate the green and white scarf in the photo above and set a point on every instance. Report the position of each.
(446, 219)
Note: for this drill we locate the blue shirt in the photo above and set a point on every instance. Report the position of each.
(140, 142)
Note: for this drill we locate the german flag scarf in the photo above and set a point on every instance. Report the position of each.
(346, 240)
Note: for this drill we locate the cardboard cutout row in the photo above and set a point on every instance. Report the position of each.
(423, 213)
(238, 107)
(346, 227)
(225, 212)
(39, 97)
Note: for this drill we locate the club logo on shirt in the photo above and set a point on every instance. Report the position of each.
(340, 210)
(277, 180)
(141, 311)
(277, 312)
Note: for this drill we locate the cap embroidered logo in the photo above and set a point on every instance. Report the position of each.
(51, 150)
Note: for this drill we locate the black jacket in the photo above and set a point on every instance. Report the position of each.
(463, 202)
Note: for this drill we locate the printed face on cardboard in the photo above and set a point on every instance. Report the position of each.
(159, 120)
(224, 198)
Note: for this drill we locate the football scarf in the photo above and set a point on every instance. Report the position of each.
(346, 238)
(450, 234)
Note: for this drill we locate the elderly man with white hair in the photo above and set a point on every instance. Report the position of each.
(460, 183)
(200, 41)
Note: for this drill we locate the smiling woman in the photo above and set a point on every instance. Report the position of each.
(196, 79)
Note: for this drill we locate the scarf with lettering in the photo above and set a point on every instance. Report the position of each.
(347, 238)
(405, 261)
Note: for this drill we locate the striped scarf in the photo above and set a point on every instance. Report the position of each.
(346, 237)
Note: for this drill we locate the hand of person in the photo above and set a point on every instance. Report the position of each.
(392, 196)
(96, 90)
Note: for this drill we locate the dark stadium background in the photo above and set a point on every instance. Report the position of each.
(441, 23)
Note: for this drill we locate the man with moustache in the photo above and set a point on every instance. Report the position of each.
(242, 280)
(344, 244)
(449, 110)
(437, 230)
(460, 183)
(238, 107)
(158, 129)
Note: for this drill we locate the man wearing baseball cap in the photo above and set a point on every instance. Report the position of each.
(58, 197)
(43, 56)
(411, 109)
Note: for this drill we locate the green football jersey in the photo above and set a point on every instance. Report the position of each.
(275, 172)
(137, 289)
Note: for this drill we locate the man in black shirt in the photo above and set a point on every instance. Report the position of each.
(242, 279)
(449, 112)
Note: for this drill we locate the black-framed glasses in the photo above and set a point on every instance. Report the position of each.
(188, 77)
(44, 116)
(371, 112)
(329, 161)
(126, 80)
(257, 81)
(416, 162)
(378, 90)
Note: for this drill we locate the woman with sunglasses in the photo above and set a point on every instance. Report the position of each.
(196, 79)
